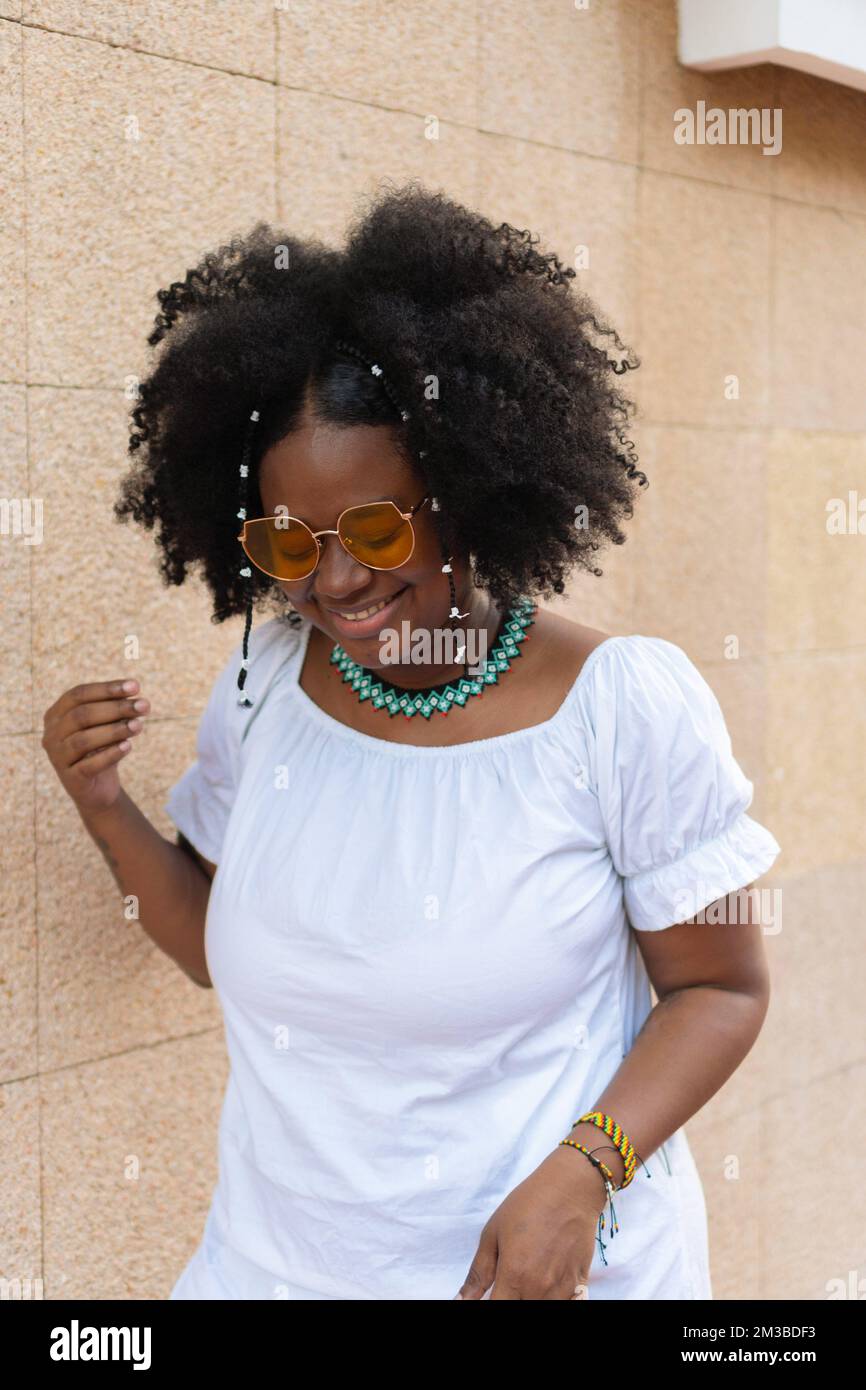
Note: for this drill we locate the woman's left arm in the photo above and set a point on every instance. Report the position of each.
(712, 982)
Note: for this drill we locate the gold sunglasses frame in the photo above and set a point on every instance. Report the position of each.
(406, 516)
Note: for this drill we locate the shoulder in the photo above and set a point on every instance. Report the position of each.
(641, 693)
(568, 645)
(586, 656)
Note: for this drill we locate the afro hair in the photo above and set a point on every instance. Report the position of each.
(506, 371)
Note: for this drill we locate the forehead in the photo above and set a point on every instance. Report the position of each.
(322, 468)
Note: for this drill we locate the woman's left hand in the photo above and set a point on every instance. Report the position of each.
(539, 1242)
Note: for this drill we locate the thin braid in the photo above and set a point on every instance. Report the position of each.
(246, 570)
(377, 372)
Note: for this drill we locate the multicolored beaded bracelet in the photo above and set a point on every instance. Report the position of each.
(621, 1142)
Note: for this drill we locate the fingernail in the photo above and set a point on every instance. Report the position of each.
(129, 685)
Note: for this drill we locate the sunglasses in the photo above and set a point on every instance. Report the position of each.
(376, 534)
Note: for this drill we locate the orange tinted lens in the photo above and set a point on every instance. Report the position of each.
(282, 546)
(377, 535)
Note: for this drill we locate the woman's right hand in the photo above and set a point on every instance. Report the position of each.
(86, 732)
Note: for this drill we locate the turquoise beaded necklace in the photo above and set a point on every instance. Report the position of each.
(400, 700)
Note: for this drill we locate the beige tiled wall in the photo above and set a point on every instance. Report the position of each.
(132, 138)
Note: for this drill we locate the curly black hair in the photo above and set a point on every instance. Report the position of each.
(494, 355)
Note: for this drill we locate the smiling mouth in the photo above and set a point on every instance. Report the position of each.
(361, 615)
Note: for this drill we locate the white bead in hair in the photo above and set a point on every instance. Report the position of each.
(242, 513)
(244, 470)
(446, 569)
(377, 371)
(434, 504)
(255, 415)
(246, 572)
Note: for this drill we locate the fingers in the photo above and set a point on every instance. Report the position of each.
(81, 719)
(93, 763)
(85, 741)
(94, 690)
(94, 720)
(537, 1288)
(481, 1274)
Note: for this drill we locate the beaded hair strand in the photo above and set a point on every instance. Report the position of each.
(246, 571)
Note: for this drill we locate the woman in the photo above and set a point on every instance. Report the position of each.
(432, 937)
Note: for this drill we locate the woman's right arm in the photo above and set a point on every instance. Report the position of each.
(84, 733)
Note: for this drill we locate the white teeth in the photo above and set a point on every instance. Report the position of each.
(366, 612)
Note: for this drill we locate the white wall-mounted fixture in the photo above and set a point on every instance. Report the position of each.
(824, 37)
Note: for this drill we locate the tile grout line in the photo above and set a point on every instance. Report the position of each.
(464, 125)
(106, 1057)
(40, 1135)
(277, 203)
(766, 464)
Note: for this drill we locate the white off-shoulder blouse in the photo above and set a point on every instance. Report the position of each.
(427, 968)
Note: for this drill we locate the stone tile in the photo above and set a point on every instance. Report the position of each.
(814, 1025)
(235, 34)
(570, 203)
(701, 535)
(20, 1159)
(411, 57)
(825, 135)
(130, 1166)
(604, 603)
(816, 751)
(583, 209)
(104, 986)
(17, 913)
(667, 87)
(96, 583)
(17, 526)
(558, 75)
(10, 9)
(812, 1239)
(819, 319)
(138, 167)
(332, 157)
(816, 578)
(13, 274)
(732, 1167)
(740, 688)
(704, 303)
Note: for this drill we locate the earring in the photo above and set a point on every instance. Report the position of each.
(293, 617)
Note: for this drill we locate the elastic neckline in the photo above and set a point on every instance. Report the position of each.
(327, 721)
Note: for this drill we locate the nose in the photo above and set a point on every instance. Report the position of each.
(339, 575)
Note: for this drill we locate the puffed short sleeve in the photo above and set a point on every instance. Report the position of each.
(201, 800)
(672, 797)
